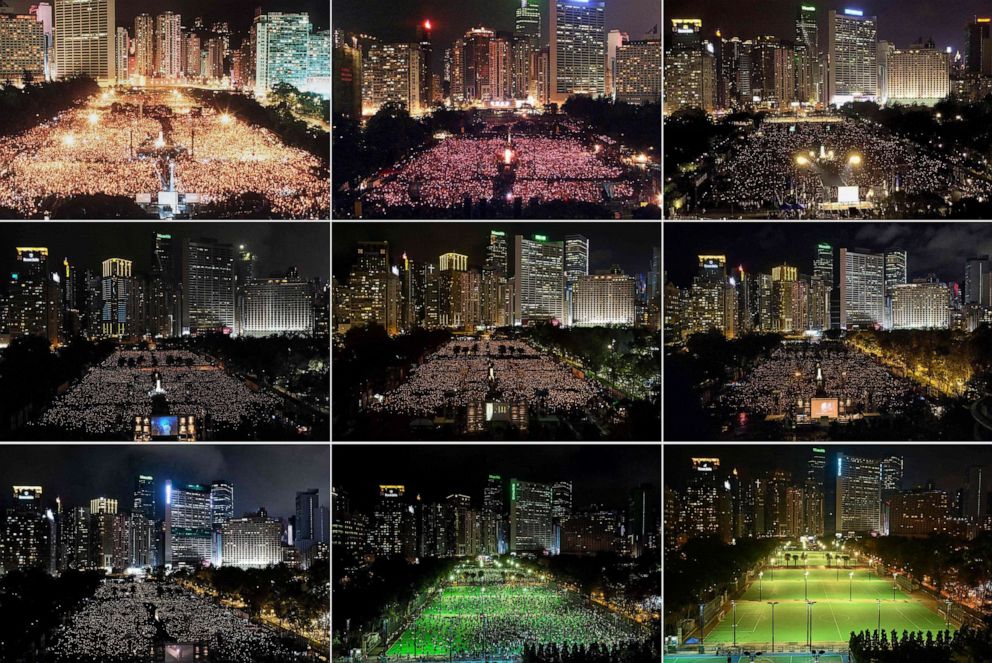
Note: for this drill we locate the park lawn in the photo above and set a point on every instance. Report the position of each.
(823, 584)
(833, 621)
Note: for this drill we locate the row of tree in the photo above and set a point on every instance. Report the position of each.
(646, 651)
(875, 647)
(23, 107)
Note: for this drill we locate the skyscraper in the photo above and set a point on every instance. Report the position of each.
(858, 494)
(530, 516)
(493, 534)
(390, 529)
(976, 494)
(25, 530)
(807, 49)
(538, 280)
(603, 299)
(116, 296)
(978, 48)
(168, 45)
(637, 71)
(144, 45)
(187, 524)
(30, 309)
(862, 289)
(84, 39)
(307, 521)
(207, 286)
(144, 496)
(578, 48)
(221, 501)
(22, 48)
(254, 541)
(852, 72)
(282, 305)
(282, 44)
(496, 251)
(691, 71)
(978, 281)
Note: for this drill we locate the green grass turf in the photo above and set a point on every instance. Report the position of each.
(823, 584)
(452, 620)
(833, 621)
(800, 658)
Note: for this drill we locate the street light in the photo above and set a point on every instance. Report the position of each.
(879, 629)
(809, 624)
(92, 118)
(773, 604)
(806, 586)
(734, 605)
(947, 613)
(802, 160)
(854, 160)
(69, 140)
(850, 586)
(894, 576)
(760, 575)
(225, 119)
(702, 627)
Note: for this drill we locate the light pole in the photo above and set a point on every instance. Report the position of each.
(702, 627)
(734, 604)
(773, 604)
(809, 624)
(850, 586)
(760, 575)
(894, 576)
(806, 586)
(879, 629)
(947, 613)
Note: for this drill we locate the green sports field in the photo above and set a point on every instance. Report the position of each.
(496, 619)
(795, 658)
(834, 615)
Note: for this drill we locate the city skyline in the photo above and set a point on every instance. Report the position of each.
(608, 245)
(596, 475)
(85, 244)
(238, 13)
(903, 23)
(636, 17)
(82, 473)
(931, 247)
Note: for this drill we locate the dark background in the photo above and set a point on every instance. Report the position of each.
(599, 473)
(626, 244)
(263, 475)
(278, 245)
(902, 22)
(941, 248)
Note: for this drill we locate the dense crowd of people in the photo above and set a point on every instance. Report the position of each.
(106, 400)
(125, 620)
(92, 150)
(762, 169)
(463, 371)
(789, 375)
(498, 619)
(545, 168)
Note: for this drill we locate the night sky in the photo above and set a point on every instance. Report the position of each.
(902, 22)
(626, 244)
(945, 464)
(278, 245)
(599, 473)
(400, 20)
(238, 13)
(941, 248)
(263, 475)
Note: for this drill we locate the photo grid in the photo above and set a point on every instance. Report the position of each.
(331, 331)
(827, 318)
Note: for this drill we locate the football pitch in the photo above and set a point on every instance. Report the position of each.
(856, 603)
(498, 618)
(778, 658)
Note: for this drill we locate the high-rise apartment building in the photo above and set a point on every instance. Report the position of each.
(84, 39)
(577, 48)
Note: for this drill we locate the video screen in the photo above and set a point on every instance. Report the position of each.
(823, 407)
(179, 653)
(165, 426)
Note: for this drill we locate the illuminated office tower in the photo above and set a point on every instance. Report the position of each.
(25, 530)
(690, 69)
(493, 533)
(538, 280)
(920, 306)
(84, 39)
(318, 63)
(168, 45)
(278, 306)
(282, 43)
(389, 525)
(22, 48)
(852, 44)
(809, 82)
(103, 505)
(918, 75)
(978, 280)
(614, 39)
(28, 295)
(192, 47)
(308, 523)
(637, 78)
(144, 45)
(42, 12)
(604, 299)
(576, 265)
(496, 251)
(978, 48)
(74, 539)
(207, 286)
(144, 496)
(141, 537)
(858, 506)
(367, 284)
(251, 542)
(578, 48)
(530, 516)
(187, 524)
(221, 501)
(456, 261)
(116, 297)
(712, 298)
(862, 289)
(526, 46)
(164, 315)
